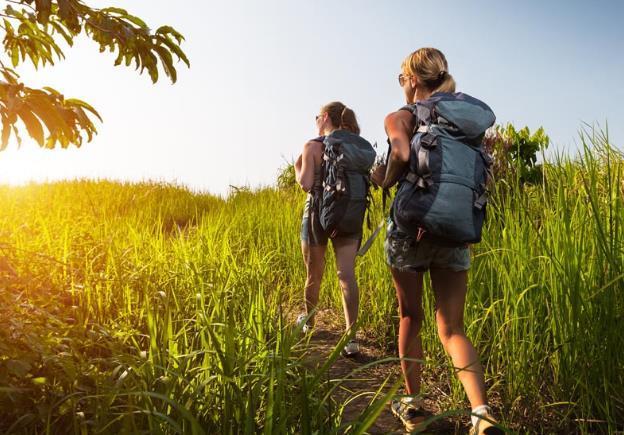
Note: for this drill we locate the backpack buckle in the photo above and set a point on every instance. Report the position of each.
(428, 140)
(424, 182)
(421, 182)
(481, 201)
(411, 177)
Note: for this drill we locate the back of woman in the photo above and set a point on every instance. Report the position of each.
(333, 169)
(411, 250)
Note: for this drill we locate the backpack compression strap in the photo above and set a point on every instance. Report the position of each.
(423, 114)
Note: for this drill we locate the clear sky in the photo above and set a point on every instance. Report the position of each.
(260, 71)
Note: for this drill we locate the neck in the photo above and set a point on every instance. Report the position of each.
(422, 94)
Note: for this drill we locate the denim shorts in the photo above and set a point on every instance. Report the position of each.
(313, 233)
(406, 254)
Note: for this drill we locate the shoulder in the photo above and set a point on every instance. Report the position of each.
(400, 118)
(314, 145)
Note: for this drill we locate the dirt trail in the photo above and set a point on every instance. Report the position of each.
(327, 332)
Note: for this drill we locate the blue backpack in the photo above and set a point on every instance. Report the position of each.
(347, 160)
(443, 196)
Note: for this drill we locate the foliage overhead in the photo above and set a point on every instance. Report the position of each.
(34, 30)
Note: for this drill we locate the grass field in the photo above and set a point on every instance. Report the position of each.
(147, 308)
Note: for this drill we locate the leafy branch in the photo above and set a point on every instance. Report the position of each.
(34, 31)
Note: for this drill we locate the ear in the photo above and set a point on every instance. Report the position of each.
(414, 81)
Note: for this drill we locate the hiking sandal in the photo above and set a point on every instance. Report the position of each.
(486, 427)
(410, 412)
(301, 323)
(351, 349)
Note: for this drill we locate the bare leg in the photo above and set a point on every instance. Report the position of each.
(314, 258)
(409, 293)
(450, 294)
(346, 250)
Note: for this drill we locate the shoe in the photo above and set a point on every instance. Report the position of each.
(301, 322)
(351, 349)
(410, 412)
(486, 427)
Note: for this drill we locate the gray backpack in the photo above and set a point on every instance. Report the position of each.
(347, 160)
(443, 194)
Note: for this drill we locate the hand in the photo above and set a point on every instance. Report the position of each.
(378, 175)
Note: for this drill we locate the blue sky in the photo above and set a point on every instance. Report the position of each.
(260, 71)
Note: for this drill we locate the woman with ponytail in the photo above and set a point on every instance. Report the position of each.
(425, 74)
(334, 122)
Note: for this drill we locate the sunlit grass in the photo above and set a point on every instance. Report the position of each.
(144, 307)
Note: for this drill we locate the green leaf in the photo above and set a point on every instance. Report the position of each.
(125, 15)
(17, 136)
(39, 380)
(152, 66)
(83, 104)
(15, 56)
(167, 62)
(58, 28)
(33, 125)
(175, 49)
(170, 30)
(6, 131)
(49, 114)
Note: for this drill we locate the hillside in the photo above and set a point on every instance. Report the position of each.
(149, 308)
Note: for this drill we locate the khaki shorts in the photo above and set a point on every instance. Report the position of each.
(406, 254)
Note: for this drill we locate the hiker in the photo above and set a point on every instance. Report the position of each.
(423, 138)
(334, 170)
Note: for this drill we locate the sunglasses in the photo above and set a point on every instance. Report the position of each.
(402, 78)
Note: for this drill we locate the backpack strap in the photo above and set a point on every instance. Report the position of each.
(425, 112)
(482, 200)
(413, 109)
(422, 176)
(318, 139)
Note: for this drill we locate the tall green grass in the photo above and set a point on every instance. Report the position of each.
(547, 286)
(148, 308)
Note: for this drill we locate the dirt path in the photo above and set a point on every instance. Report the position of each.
(327, 332)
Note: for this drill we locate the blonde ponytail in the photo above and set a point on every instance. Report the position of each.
(431, 68)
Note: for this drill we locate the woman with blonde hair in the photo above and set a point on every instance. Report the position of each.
(339, 152)
(419, 136)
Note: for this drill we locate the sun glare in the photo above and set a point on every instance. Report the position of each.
(31, 163)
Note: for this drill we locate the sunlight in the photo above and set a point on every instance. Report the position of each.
(31, 163)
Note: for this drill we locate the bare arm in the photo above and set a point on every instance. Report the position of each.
(305, 165)
(298, 167)
(399, 126)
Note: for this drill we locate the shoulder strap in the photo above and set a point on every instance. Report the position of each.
(409, 108)
(425, 112)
